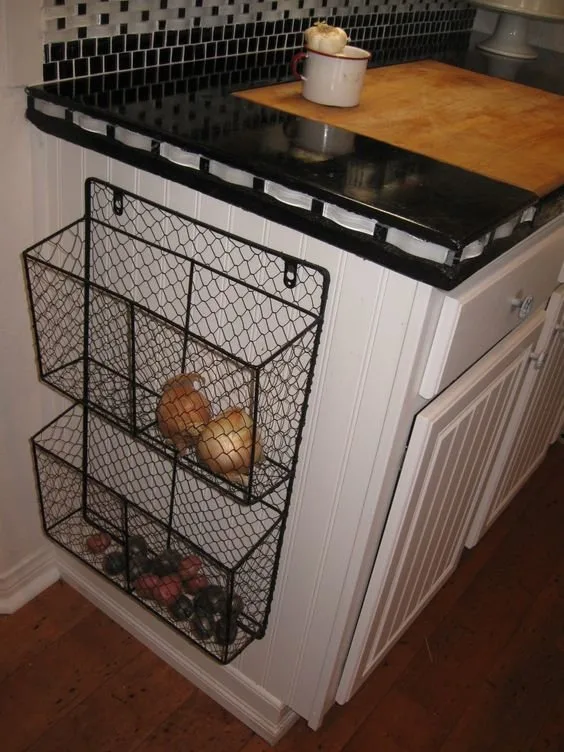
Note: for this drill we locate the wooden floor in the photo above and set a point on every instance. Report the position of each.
(481, 670)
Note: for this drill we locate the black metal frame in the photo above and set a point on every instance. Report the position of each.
(126, 297)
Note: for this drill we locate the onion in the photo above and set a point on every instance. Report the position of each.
(324, 38)
(225, 444)
(183, 410)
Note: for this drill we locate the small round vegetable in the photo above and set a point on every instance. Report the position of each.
(196, 584)
(182, 608)
(98, 543)
(189, 567)
(211, 600)
(202, 626)
(225, 633)
(237, 605)
(114, 563)
(168, 589)
(138, 565)
(225, 444)
(136, 544)
(145, 585)
(182, 410)
(167, 562)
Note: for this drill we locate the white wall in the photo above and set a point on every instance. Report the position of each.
(24, 403)
(547, 34)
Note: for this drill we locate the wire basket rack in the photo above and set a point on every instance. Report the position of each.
(189, 355)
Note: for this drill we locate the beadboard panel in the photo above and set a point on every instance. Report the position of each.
(358, 420)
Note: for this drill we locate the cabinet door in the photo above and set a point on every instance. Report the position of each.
(537, 420)
(450, 453)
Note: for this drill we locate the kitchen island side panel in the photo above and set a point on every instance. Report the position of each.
(360, 410)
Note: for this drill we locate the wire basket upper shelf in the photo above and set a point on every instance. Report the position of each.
(133, 295)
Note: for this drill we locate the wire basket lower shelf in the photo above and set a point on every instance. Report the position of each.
(201, 562)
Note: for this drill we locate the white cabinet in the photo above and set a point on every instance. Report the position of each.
(451, 451)
(389, 345)
(537, 420)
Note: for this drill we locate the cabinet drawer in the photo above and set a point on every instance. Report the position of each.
(482, 310)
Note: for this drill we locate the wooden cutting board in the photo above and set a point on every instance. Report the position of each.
(497, 128)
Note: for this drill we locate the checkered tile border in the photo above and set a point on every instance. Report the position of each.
(104, 36)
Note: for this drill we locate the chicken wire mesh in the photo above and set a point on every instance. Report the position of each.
(133, 295)
(190, 352)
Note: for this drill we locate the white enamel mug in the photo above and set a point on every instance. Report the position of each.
(334, 80)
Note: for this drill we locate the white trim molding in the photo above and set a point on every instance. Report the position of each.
(27, 579)
(250, 703)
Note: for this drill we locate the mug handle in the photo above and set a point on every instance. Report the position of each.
(298, 57)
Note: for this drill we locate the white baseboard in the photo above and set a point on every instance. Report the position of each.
(253, 705)
(27, 579)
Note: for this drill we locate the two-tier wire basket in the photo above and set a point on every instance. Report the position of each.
(188, 354)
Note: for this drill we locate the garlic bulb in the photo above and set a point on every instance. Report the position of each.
(324, 38)
(225, 444)
(183, 410)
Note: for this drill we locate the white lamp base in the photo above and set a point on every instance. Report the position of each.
(510, 38)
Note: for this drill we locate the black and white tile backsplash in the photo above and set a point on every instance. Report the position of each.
(105, 36)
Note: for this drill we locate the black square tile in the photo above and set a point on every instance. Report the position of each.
(88, 47)
(81, 66)
(96, 65)
(103, 46)
(66, 69)
(118, 43)
(124, 61)
(57, 51)
(50, 71)
(73, 50)
(110, 63)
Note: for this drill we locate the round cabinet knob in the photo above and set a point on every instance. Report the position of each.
(523, 304)
(538, 359)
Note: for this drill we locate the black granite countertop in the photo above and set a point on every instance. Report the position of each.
(245, 154)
